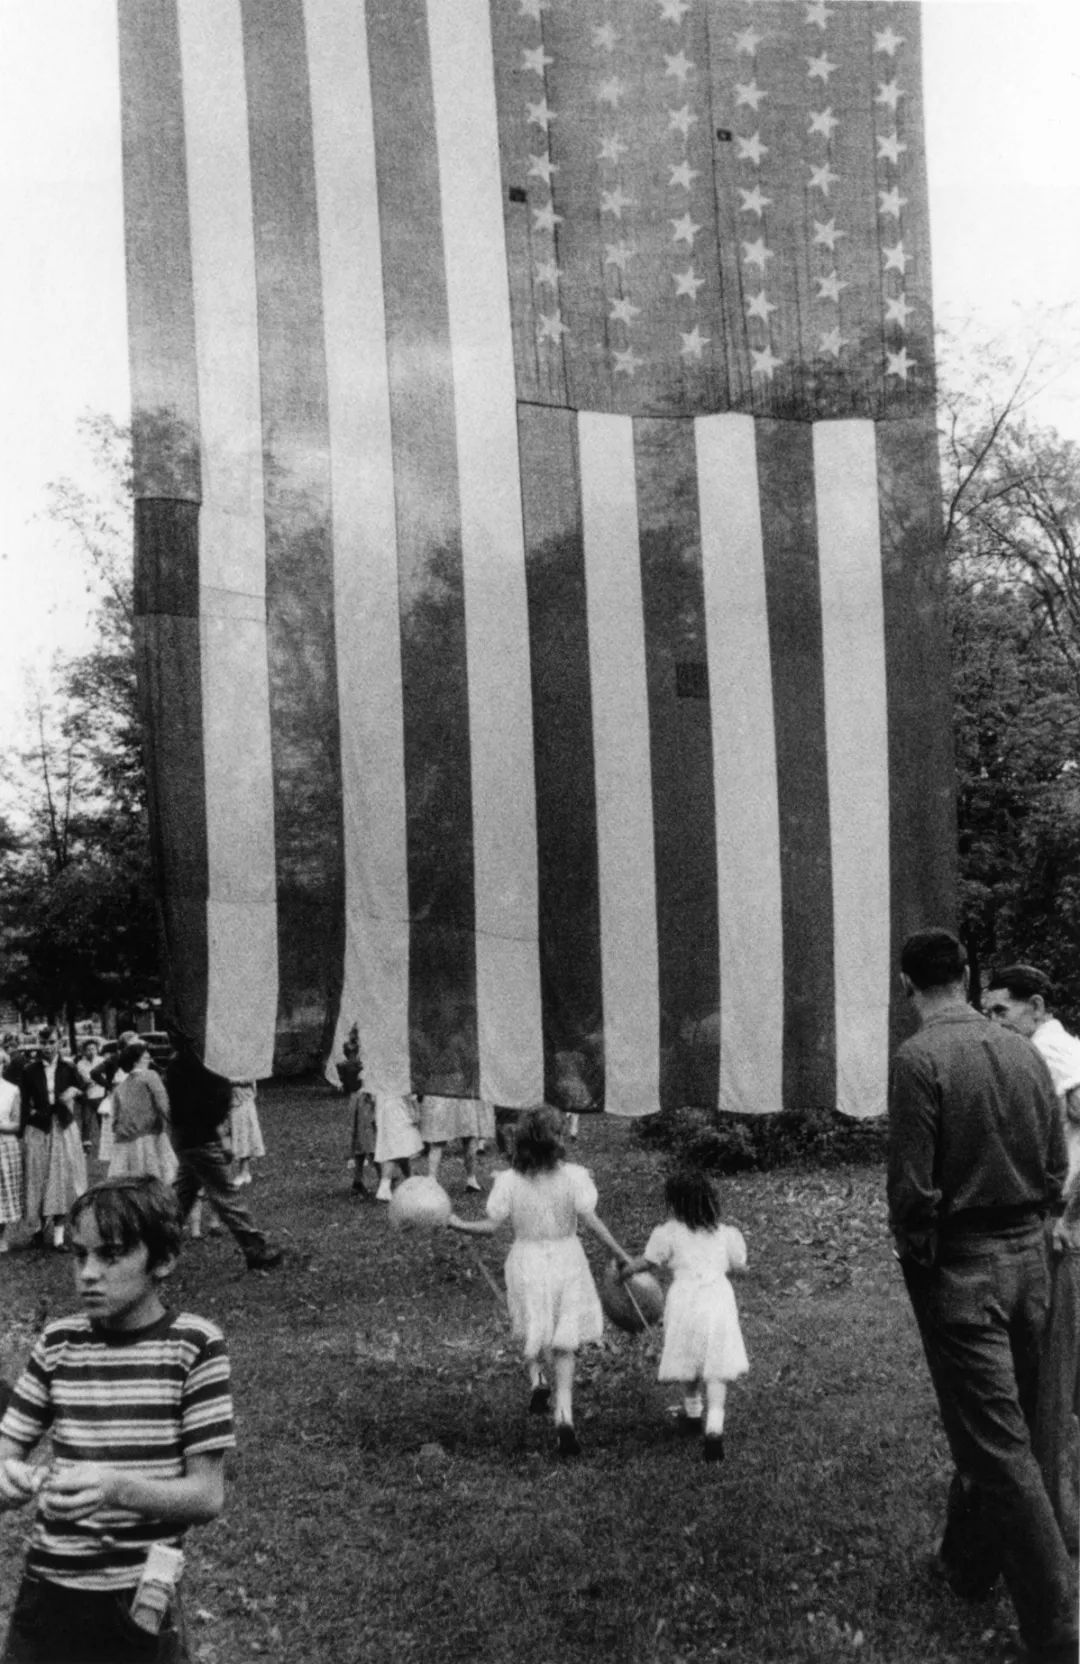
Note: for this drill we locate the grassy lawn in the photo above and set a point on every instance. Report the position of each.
(391, 1500)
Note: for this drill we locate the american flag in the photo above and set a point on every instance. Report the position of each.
(538, 556)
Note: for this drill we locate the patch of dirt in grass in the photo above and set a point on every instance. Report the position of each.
(392, 1501)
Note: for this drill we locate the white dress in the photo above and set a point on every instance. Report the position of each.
(396, 1135)
(702, 1338)
(245, 1133)
(550, 1289)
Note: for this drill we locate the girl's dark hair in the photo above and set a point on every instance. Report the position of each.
(128, 1211)
(691, 1198)
(538, 1141)
(131, 1055)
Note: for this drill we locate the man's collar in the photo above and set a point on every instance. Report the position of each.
(954, 1011)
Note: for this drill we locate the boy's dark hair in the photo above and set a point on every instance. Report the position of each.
(933, 959)
(691, 1198)
(131, 1210)
(1023, 982)
(538, 1142)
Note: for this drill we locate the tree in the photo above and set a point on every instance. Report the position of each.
(77, 917)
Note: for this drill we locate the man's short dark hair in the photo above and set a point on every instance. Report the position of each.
(133, 1209)
(933, 959)
(1023, 982)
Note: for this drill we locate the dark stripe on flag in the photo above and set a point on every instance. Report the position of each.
(438, 782)
(922, 803)
(299, 555)
(786, 472)
(165, 442)
(569, 893)
(169, 667)
(680, 735)
(161, 313)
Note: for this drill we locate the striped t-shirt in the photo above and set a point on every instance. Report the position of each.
(145, 1401)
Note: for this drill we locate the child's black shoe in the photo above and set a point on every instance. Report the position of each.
(714, 1447)
(539, 1401)
(569, 1444)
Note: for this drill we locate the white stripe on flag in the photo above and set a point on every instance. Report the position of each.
(856, 727)
(375, 993)
(744, 762)
(625, 845)
(492, 548)
(242, 905)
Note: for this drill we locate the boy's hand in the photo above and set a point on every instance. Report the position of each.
(76, 1490)
(19, 1482)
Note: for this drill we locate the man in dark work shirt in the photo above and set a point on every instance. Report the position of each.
(976, 1164)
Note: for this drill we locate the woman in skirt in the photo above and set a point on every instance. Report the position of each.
(11, 1159)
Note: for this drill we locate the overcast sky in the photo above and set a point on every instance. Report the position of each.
(1003, 140)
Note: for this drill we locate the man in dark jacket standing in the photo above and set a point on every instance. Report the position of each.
(976, 1165)
(198, 1104)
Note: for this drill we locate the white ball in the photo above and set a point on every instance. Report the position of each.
(420, 1204)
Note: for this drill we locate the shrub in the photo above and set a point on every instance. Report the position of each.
(725, 1143)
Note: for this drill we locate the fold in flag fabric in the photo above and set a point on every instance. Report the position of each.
(538, 554)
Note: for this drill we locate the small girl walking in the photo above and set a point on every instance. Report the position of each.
(554, 1306)
(703, 1344)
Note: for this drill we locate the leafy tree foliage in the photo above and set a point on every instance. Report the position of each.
(77, 919)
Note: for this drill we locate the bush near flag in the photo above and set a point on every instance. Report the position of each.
(538, 556)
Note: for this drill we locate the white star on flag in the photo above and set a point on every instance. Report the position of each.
(539, 115)
(683, 175)
(755, 201)
(681, 121)
(831, 342)
(678, 65)
(542, 167)
(611, 148)
(895, 258)
(546, 271)
(613, 202)
(891, 202)
(826, 234)
(684, 230)
(535, 60)
(820, 68)
(552, 327)
(693, 343)
(759, 306)
(605, 37)
(889, 93)
(765, 362)
(756, 254)
(673, 11)
(623, 311)
(610, 91)
(823, 122)
(748, 41)
(818, 12)
(619, 254)
(751, 149)
(626, 362)
(889, 147)
(897, 310)
(898, 363)
(688, 283)
(829, 287)
(546, 219)
(822, 178)
(748, 92)
(887, 40)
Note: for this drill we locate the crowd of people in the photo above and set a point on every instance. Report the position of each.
(983, 1186)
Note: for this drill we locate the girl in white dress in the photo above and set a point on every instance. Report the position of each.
(554, 1306)
(703, 1344)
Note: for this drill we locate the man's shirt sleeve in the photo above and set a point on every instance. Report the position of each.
(914, 1200)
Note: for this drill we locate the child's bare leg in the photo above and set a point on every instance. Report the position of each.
(468, 1146)
(540, 1392)
(564, 1402)
(693, 1403)
(434, 1159)
(715, 1400)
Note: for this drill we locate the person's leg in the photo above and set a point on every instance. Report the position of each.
(468, 1147)
(208, 1165)
(434, 1159)
(564, 1402)
(540, 1392)
(977, 1308)
(1057, 1432)
(715, 1400)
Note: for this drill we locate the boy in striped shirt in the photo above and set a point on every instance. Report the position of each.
(136, 1398)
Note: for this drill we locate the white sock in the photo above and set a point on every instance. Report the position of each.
(693, 1406)
(716, 1397)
